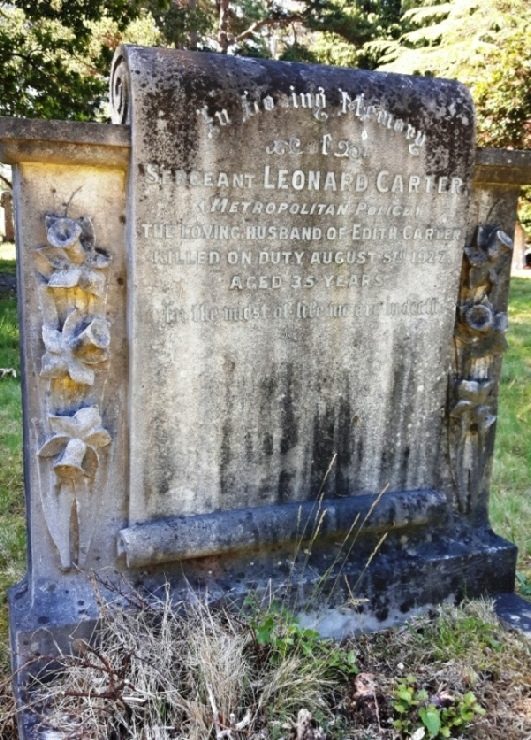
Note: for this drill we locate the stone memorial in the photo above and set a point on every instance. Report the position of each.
(263, 318)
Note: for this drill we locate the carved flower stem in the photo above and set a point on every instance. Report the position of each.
(76, 336)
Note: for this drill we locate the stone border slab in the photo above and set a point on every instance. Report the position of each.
(63, 142)
(503, 167)
(514, 612)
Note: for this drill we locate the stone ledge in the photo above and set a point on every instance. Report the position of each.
(510, 167)
(514, 612)
(185, 537)
(64, 142)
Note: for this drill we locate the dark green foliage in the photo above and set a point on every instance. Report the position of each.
(9, 353)
(177, 20)
(47, 70)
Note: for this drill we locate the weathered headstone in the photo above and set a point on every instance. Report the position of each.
(274, 359)
(295, 256)
(6, 203)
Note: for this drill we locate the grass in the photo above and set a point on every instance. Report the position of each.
(458, 651)
(12, 521)
(511, 483)
(192, 672)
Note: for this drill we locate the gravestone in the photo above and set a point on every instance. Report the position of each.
(263, 318)
(6, 203)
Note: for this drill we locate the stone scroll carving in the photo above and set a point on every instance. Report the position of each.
(120, 93)
(479, 340)
(72, 275)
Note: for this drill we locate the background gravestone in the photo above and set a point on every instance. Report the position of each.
(266, 310)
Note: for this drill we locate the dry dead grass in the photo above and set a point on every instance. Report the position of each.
(184, 671)
(192, 672)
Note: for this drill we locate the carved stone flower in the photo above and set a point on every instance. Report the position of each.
(72, 255)
(76, 440)
(492, 244)
(70, 352)
(62, 232)
(475, 401)
(482, 326)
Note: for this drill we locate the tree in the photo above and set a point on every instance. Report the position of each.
(47, 71)
(485, 45)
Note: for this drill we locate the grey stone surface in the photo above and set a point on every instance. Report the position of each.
(71, 291)
(6, 203)
(295, 256)
(63, 142)
(509, 167)
(182, 538)
(514, 612)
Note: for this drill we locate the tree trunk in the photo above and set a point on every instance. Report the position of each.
(223, 25)
(192, 4)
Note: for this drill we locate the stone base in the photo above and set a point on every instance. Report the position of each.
(375, 588)
(514, 612)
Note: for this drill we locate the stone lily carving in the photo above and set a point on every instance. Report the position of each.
(481, 323)
(76, 442)
(73, 466)
(72, 351)
(474, 403)
(473, 416)
(485, 256)
(482, 327)
(71, 253)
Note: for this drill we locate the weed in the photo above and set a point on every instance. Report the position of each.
(523, 581)
(184, 666)
(438, 716)
(278, 632)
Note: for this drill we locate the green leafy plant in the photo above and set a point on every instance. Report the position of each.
(279, 633)
(524, 584)
(406, 705)
(460, 714)
(438, 716)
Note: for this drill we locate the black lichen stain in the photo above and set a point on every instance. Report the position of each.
(323, 450)
(163, 462)
(394, 463)
(343, 436)
(285, 486)
(357, 455)
(288, 418)
(226, 477)
(248, 443)
(267, 443)
(266, 394)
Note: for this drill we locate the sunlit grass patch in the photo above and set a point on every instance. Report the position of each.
(9, 334)
(511, 484)
(7, 254)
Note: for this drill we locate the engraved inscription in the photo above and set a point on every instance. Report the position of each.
(376, 223)
(273, 178)
(318, 104)
(173, 313)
